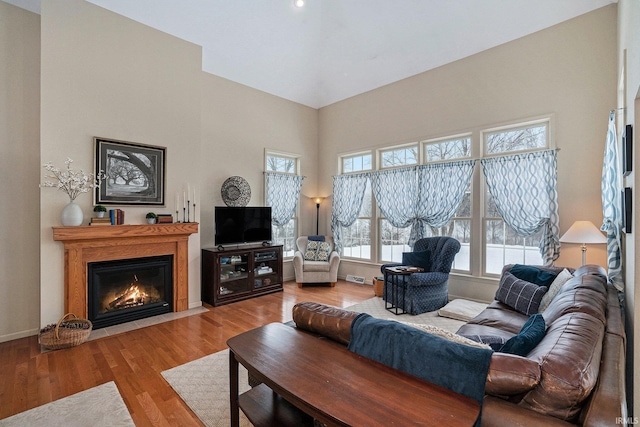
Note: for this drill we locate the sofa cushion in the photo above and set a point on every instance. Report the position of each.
(519, 294)
(462, 309)
(316, 266)
(531, 334)
(533, 274)
(417, 259)
(578, 300)
(558, 282)
(569, 356)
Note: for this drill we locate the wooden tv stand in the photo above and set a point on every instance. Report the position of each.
(237, 274)
(304, 378)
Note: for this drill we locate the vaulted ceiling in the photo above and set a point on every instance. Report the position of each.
(330, 50)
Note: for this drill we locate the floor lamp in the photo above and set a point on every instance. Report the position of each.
(317, 201)
(583, 232)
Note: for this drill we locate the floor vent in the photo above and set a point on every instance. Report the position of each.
(355, 279)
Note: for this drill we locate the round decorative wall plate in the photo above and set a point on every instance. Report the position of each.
(236, 192)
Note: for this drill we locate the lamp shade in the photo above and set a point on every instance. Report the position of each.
(583, 232)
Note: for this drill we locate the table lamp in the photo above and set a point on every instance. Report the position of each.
(583, 232)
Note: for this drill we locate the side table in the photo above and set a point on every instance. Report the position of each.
(394, 273)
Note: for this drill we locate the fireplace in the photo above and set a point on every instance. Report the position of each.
(124, 290)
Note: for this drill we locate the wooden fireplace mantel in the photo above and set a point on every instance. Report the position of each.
(86, 244)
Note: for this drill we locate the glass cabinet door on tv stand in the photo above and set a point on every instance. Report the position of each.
(237, 274)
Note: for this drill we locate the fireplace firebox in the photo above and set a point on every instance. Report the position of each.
(130, 289)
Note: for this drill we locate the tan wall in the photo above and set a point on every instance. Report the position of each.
(105, 75)
(567, 71)
(238, 124)
(19, 172)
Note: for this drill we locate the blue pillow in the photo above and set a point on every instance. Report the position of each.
(417, 259)
(529, 337)
(533, 274)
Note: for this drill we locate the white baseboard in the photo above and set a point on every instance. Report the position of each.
(18, 335)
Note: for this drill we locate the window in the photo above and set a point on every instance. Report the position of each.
(405, 156)
(356, 239)
(477, 225)
(517, 139)
(356, 163)
(448, 149)
(287, 234)
(502, 244)
(280, 163)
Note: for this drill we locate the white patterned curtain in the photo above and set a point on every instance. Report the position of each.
(283, 193)
(524, 189)
(348, 192)
(421, 196)
(612, 204)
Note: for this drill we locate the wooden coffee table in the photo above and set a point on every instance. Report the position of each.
(304, 377)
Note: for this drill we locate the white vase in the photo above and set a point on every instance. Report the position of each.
(72, 214)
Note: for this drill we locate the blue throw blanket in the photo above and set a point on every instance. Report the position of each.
(315, 238)
(458, 367)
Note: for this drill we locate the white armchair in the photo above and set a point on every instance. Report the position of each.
(316, 264)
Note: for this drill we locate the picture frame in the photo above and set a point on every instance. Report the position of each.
(627, 150)
(627, 209)
(135, 173)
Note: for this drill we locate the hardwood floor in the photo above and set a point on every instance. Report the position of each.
(135, 359)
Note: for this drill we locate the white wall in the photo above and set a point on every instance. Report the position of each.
(567, 71)
(629, 100)
(19, 172)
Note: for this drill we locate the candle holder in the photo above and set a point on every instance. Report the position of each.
(194, 212)
(188, 213)
(177, 217)
(184, 214)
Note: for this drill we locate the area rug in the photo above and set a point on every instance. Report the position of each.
(100, 406)
(375, 307)
(204, 386)
(204, 383)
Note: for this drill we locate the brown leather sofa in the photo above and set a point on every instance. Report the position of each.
(574, 376)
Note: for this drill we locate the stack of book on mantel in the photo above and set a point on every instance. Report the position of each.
(100, 221)
(117, 216)
(164, 219)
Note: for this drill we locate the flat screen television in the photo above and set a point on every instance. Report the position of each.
(247, 224)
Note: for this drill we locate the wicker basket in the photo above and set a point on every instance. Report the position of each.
(66, 333)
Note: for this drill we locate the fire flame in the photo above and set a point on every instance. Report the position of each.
(131, 297)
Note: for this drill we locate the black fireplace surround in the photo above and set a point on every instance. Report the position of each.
(125, 290)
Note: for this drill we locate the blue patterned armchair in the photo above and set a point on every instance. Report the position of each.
(427, 291)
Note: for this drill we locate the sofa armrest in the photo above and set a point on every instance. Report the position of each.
(510, 374)
(334, 260)
(325, 320)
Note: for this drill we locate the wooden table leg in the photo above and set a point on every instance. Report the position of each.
(233, 389)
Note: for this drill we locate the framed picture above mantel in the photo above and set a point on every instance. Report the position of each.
(135, 173)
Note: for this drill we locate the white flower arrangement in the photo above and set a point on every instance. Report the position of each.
(71, 182)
